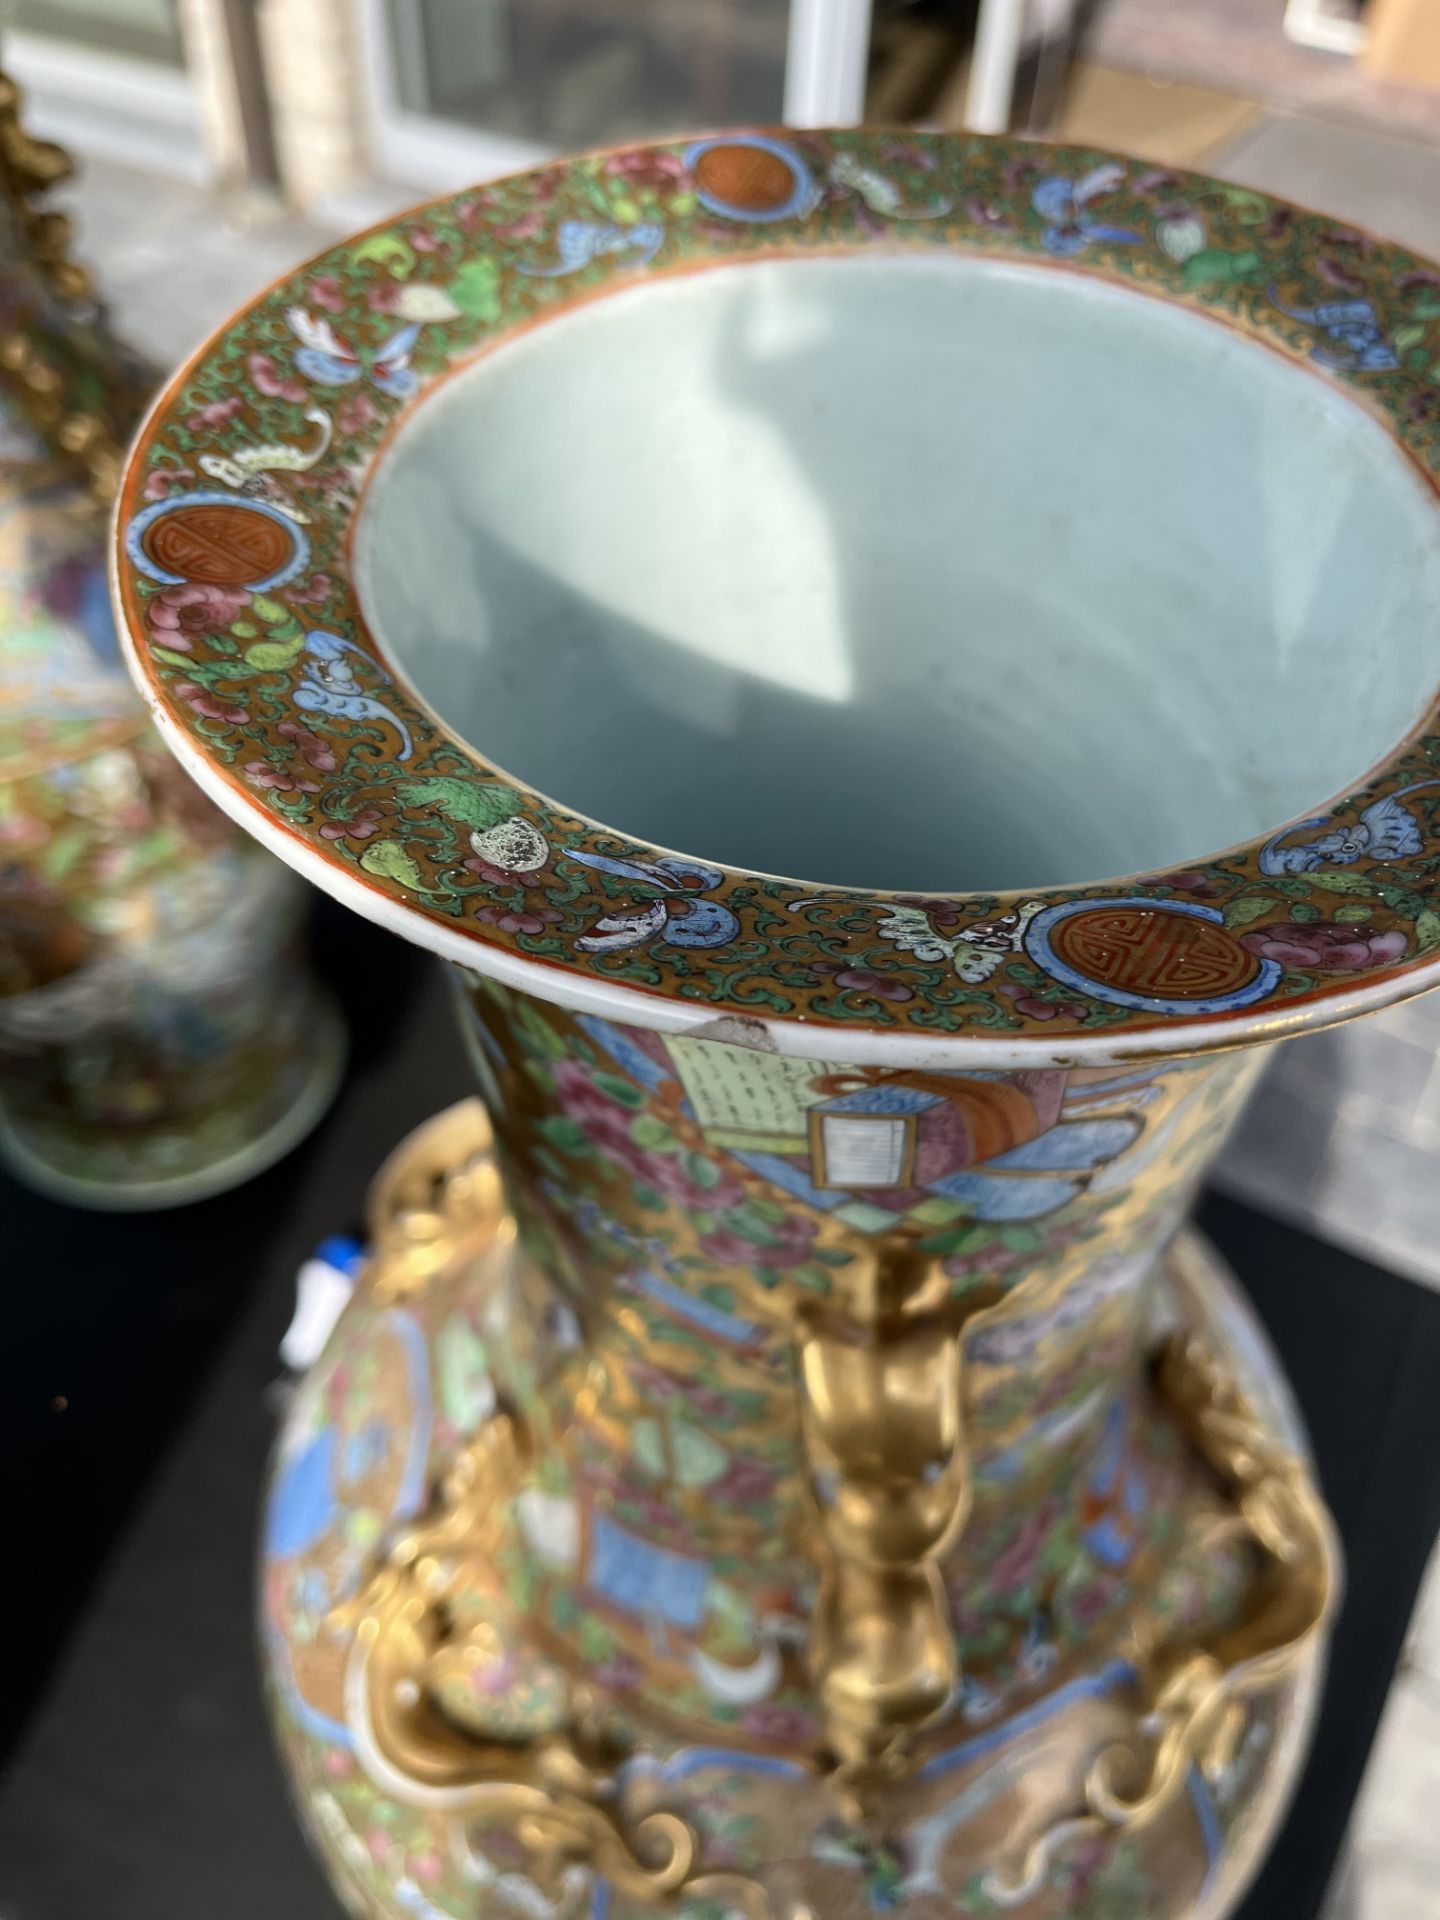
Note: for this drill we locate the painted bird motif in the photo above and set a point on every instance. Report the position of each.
(248, 469)
(578, 242)
(1384, 831)
(328, 685)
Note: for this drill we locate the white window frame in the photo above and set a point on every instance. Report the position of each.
(827, 50)
(110, 106)
(421, 150)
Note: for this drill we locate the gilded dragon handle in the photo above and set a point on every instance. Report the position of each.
(883, 1419)
(882, 1416)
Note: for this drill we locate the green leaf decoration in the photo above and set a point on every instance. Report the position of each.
(474, 803)
(541, 1036)
(619, 1090)
(268, 656)
(1021, 1239)
(271, 611)
(1427, 930)
(1214, 267)
(1342, 882)
(388, 250)
(702, 1171)
(563, 1132)
(172, 659)
(1407, 904)
(1410, 336)
(476, 289)
(1352, 913)
(1250, 208)
(652, 1135)
(1240, 913)
(390, 860)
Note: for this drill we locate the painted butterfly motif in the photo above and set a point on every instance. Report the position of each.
(331, 361)
(1353, 327)
(1062, 205)
(702, 923)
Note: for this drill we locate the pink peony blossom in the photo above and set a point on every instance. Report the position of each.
(261, 774)
(524, 228)
(1037, 1009)
(366, 822)
(504, 876)
(177, 614)
(216, 414)
(312, 592)
(660, 171)
(325, 291)
(266, 377)
(356, 413)
(517, 920)
(860, 980)
(1198, 884)
(162, 481)
(1325, 947)
(210, 706)
(313, 746)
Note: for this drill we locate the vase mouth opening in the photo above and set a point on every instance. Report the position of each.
(921, 574)
(830, 590)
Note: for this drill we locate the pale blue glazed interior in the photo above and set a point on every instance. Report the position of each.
(915, 573)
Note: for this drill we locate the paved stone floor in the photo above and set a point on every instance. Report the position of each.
(174, 263)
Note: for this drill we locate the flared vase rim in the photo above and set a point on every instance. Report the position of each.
(238, 613)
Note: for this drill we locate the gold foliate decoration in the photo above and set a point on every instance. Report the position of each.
(560, 1791)
(32, 167)
(57, 364)
(1195, 1697)
(429, 1192)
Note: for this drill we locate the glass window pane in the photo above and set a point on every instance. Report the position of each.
(145, 29)
(568, 73)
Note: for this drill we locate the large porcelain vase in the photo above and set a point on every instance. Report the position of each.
(790, 1460)
(160, 1035)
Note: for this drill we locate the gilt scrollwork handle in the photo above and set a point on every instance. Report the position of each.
(882, 1416)
(1196, 1697)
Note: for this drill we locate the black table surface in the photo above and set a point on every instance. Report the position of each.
(138, 1379)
